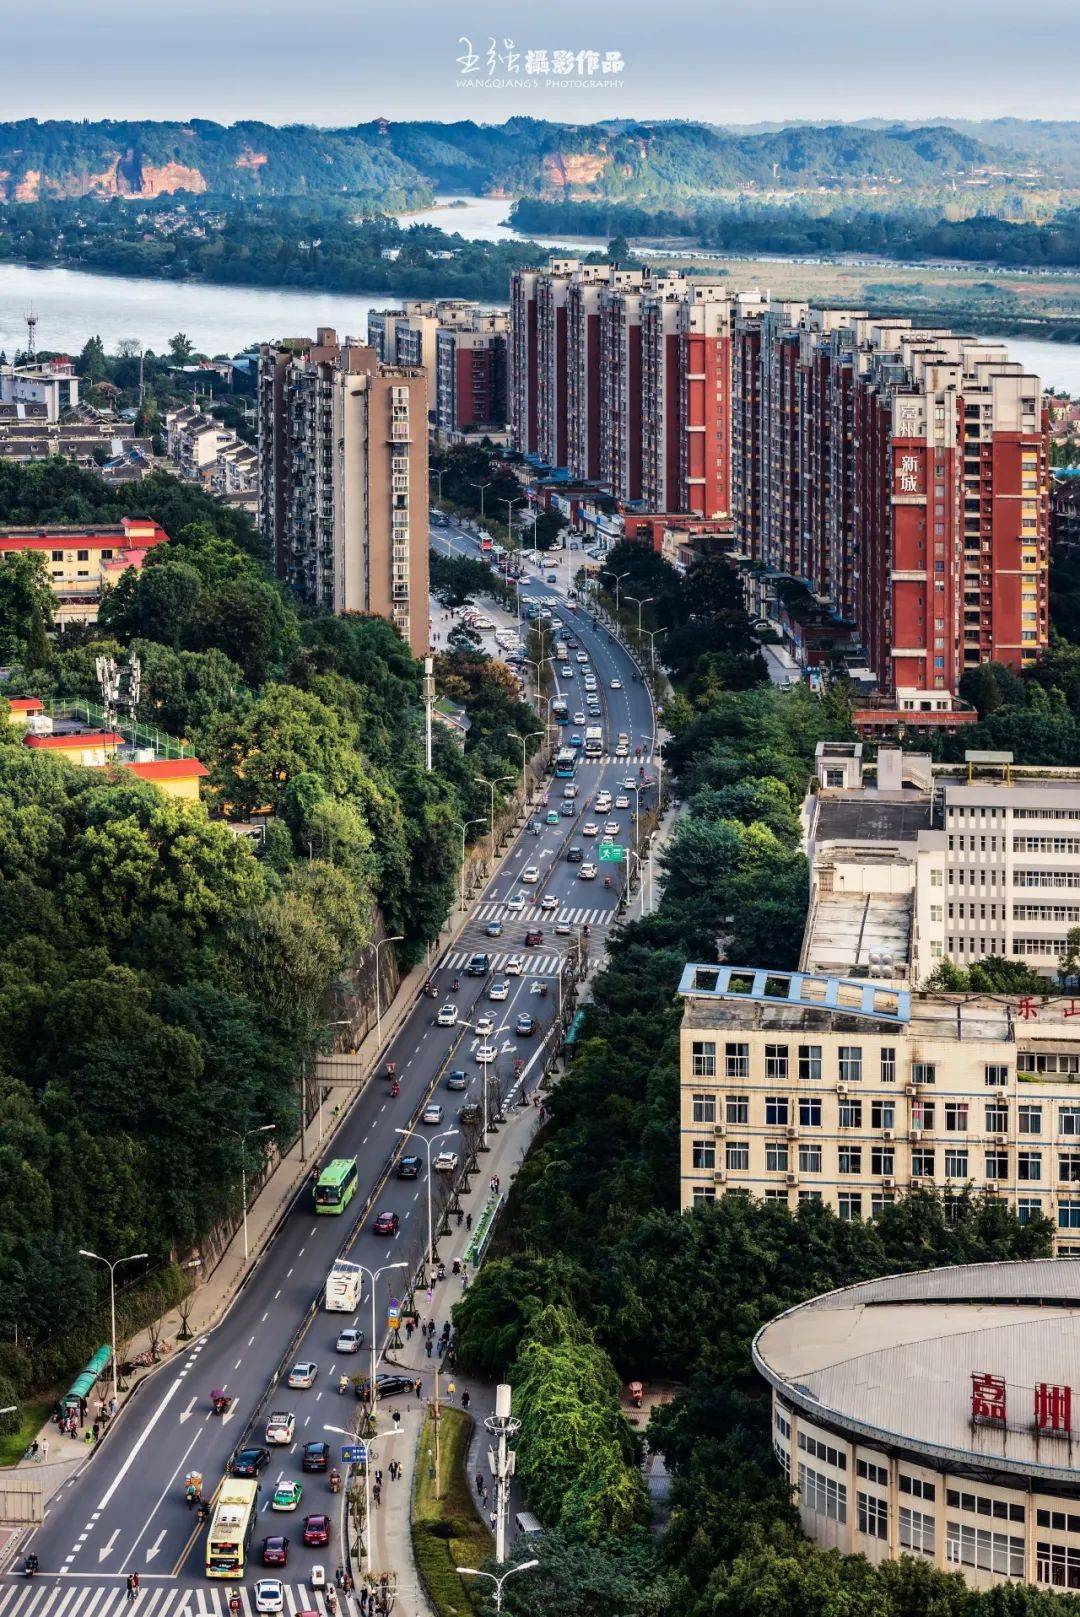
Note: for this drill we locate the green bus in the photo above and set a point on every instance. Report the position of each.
(336, 1185)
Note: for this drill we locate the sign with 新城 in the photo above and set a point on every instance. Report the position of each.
(612, 853)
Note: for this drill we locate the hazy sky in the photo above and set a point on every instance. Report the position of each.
(344, 61)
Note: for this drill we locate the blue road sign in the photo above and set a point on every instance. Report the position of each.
(354, 1454)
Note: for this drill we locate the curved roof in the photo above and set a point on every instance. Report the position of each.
(891, 1360)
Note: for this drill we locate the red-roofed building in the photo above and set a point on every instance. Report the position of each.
(90, 748)
(83, 562)
(176, 777)
(21, 707)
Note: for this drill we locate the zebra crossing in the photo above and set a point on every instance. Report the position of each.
(67, 1599)
(536, 965)
(534, 916)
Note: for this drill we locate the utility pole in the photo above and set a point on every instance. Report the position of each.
(429, 703)
(502, 1426)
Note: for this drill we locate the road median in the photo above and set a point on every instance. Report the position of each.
(447, 1529)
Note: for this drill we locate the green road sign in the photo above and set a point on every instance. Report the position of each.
(611, 853)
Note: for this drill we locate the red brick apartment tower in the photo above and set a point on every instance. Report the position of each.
(780, 546)
(746, 448)
(523, 360)
(661, 383)
(704, 319)
(620, 383)
(583, 370)
(551, 349)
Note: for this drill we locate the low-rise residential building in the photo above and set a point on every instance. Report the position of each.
(95, 439)
(84, 562)
(81, 734)
(206, 452)
(51, 383)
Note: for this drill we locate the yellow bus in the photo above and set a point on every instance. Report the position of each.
(231, 1527)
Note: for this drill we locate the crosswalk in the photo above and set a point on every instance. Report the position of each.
(67, 1598)
(535, 916)
(536, 965)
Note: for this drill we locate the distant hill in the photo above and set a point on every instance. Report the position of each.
(401, 164)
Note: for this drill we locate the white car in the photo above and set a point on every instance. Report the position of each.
(616, 684)
(530, 875)
(611, 829)
(630, 783)
(433, 1113)
(303, 1374)
(570, 790)
(583, 657)
(566, 671)
(485, 1052)
(349, 1340)
(269, 1595)
(484, 1024)
(513, 968)
(549, 902)
(445, 1162)
(586, 873)
(280, 1428)
(579, 718)
(447, 1016)
(622, 801)
(518, 902)
(590, 683)
(590, 829)
(563, 929)
(498, 989)
(602, 802)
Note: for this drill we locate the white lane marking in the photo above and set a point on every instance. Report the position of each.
(136, 1447)
(157, 1504)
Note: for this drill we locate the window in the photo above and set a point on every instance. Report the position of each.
(882, 1159)
(82, 555)
(1029, 1119)
(704, 1193)
(997, 1118)
(809, 1159)
(997, 1165)
(738, 1155)
(1029, 1165)
(1061, 1521)
(996, 1076)
(879, 1200)
(782, 1424)
(776, 1158)
(737, 1060)
(872, 1473)
(956, 1116)
(916, 1487)
(703, 1058)
(849, 1206)
(850, 1114)
(1069, 1119)
(1068, 1215)
(1069, 1167)
(888, 1063)
(704, 1108)
(704, 1154)
(823, 1451)
(776, 1061)
(850, 1056)
(872, 1514)
(1058, 1564)
(922, 1114)
(981, 1547)
(809, 1112)
(883, 1114)
(737, 1109)
(923, 1072)
(956, 1164)
(57, 555)
(821, 1494)
(776, 1109)
(922, 1164)
(849, 1159)
(809, 1063)
(1027, 1208)
(916, 1530)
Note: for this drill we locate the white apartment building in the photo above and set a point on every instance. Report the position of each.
(801, 1086)
(51, 382)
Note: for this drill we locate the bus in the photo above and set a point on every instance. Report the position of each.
(343, 1287)
(336, 1185)
(594, 741)
(559, 710)
(231, 1526)
(485, 543)
(566, 761)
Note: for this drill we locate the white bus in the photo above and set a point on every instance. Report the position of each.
(343, 1286)
(594, 741)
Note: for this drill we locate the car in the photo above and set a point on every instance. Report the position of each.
(574, 856)
(552, 817)
(622, 750)
(315, 1457)
(563, 929)
(524, 1026)
(445, 1162)
(549, 902)
(385, 1224)
(269, 1595)
(533, 937)
(583, 657)
(622, 801)
(351, 1340)
(498, 989)
(579, 717)
(629, 784)
(433, 1112)
(566, 671)
(590, 829)
(408, 1168)
(586, 873)
(575, 740)
(536, 827)
(303, 1374)
(457, 1079)
(518, 901)
(386, 1386)
(484, 1023)
(531, 875)
(493, 929)
(552, 578)
(248, 1462)
(316, 1530)
(287, 1495)
(513, 968)
(603, 802)
(616, 684)
(275, 1550)
(570, 790)
(281, 1427)
(485, 1052)
(567, 810)
(447, 1016)
(478, 966)
(611, 828)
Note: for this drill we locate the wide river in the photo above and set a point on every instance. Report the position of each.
(72, 305)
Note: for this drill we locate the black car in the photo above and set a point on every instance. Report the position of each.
(386, 1386)
(409, 1168)
(249, 1462)
(478, 966)
(574, 856)
(315, 1457)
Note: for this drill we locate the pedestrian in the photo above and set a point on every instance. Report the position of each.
(44, 1450)
(378, 1479)
(427, 1347)
(348, 1583)
(451, 1389)
(339, 1577)
(465, 1399)
(96, 1429)
(135, 1581)
(492, 1518)
(442, 1346)
(112, 1407)
(417, 1386)
(408, 1330)
(479, 1482)
(397, 1420)
(131, 1586)
(468, 1221)
(493, 1184)
(483, 1496)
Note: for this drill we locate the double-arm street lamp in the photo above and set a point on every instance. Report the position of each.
(618, 577)
(427, 1142)
(461, 868)
(244, 1135)
(497, 1580)
(483, 487)
(532, 735)
(645, 600)
(112, 1265)
(399, 937)
(652, 634)
(491, 785)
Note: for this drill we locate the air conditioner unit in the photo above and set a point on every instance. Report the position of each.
(719, 1129)
(992, 1188)
(910, 1089)
(792, 1133)
(915, 1134)
(1001, 1139)
(841, 1089)
(792, 1179)
(719, 1175)
(887, 1182)
(887, 1134)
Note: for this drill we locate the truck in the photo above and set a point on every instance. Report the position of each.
(343, 1285)
(594, 740)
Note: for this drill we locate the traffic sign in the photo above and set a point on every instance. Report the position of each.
(354, 1454)
(611, 853)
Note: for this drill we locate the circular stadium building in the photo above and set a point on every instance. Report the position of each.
(937, 1414)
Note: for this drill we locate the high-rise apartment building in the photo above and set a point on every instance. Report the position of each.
(409, 335)
(470, 375)
(343, 479)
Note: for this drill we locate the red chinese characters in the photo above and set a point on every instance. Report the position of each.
(1053, 1407)
(1027, 1009)
(987, 1398)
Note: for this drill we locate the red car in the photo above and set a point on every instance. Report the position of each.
(534, 937)
(316, 1530)
(386, 1224)
(275, 1550)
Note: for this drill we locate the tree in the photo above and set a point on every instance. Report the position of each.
(91, 362)
(26, 605)
(181, 348)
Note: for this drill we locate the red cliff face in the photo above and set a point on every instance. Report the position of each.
(576, 171)
(126, 176)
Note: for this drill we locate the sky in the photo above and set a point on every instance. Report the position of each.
(337, 62)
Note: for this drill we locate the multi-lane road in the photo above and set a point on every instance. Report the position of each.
(123, 1511)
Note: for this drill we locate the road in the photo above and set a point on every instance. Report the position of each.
(124, 1511)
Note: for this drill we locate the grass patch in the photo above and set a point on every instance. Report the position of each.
(448, 1532)
(33, 1413)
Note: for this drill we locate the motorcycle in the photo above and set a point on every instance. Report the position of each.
(31, 1565)
(219, 1401)
(395, 1090)
(335, 1482)
(607, 881)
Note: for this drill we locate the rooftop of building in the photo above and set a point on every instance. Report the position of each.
(140, 531)
(873, 817)
(893, 1360)
(859, 934)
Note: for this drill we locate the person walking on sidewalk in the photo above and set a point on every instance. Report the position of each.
(43, 1451)
(480, 1483)
(465, 1398)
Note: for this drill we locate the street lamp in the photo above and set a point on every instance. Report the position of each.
(427, 1142)
(537, 663)
(645, 600)
(510, 504)
(474, 1572)
(133, 1257)
(433, 471)
(532, 735)
(485, 1062)
(658, 754)
(618, 577)
(461, 868)
(369, 1450)
(397, 938)
(491, 785)
(243, 1135)
(482, 487)
(652, 634)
